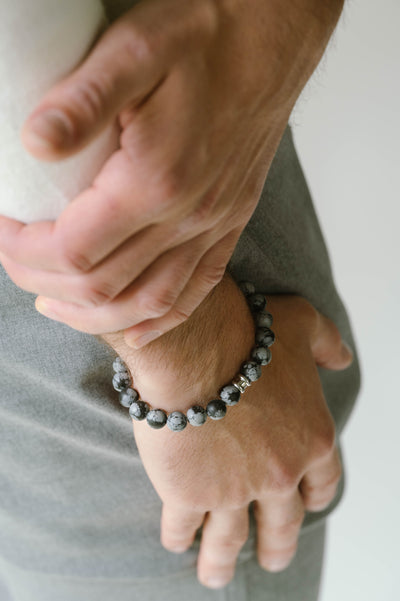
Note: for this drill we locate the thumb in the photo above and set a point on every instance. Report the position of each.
(121, 68)
(327, 346)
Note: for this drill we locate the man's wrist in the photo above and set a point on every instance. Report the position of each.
(189, 364)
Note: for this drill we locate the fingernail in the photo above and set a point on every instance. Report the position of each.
(216, 582)
(178, 549)
(347, 353)
(144, 339)
(48, 131)
(42, 308)
(277, 565)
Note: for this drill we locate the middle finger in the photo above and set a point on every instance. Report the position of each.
(224, 534)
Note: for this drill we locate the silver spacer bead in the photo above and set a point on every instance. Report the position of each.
(241, 383)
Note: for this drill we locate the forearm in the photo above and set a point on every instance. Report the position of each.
(193, 361)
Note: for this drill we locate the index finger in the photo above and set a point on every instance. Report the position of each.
(98, 221)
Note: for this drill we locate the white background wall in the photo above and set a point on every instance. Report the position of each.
(347, 131)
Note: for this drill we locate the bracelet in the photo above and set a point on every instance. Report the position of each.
(229, 395)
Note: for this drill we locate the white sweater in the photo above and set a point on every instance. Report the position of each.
(40, 42)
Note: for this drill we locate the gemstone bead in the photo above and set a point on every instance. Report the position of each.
(264, 319)
(156, 418)
(196, 415)
(257, 302)
(230, 394)
(119, 365)
(261, 355)
(139, 410)
(128, 396)
(265, 337)
(177, 421)
(251, 370)
(121, 380)
(247, 288)
(216, 409)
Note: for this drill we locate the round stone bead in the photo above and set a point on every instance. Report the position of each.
(177, 421)
(251, 370)
(139, 410)
(156, 418)
(119, 365)
(216, 409)
(121, 380)
(196, 415)
(261, 355)
(257, 302)
(264, 319)
(230, 394)
(128, 396)
(247, 288)
(265, 337)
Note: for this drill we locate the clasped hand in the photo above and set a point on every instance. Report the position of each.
(275, 449)
(201, 91)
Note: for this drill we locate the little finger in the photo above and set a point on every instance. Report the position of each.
(319, 485)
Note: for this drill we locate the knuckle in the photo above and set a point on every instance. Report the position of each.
(74, 261)
(169, 186)
(212, 276)
(136, 45)
(284, 477)
(207, 213)
(87, 97)
(325, 439)
(318, 498)
(289, 529)
(180, 315)
(229, 546)
(158, 305)
(99, 294)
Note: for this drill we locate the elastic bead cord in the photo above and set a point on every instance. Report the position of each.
(229, 395)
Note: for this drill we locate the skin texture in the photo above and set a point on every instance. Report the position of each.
(209, 475)
(202, 91)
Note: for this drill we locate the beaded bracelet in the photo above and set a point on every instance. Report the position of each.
(230, 394)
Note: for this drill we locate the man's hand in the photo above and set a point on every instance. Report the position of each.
(276, 448)
(202, 91)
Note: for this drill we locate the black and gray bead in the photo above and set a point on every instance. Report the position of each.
(196, 415)
(139, 410)
(216, 409)
(263, 319)
(230, 394)
(261, 355)
(121, 380)
(265, 337)
(251, 370)
(156, 418)
(247, 288)
(127, 396)
(177, 421)
(119, 365)
(257, 302)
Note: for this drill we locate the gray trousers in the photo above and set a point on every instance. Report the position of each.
(300, 582)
